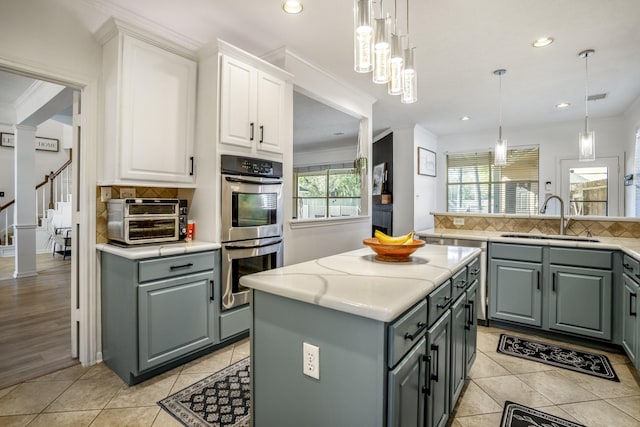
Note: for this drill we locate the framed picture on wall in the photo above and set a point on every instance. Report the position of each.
(426, 162)
(43, 144)
(378, 178)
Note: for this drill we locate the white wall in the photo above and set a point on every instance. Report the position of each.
(632, 126)
(318, 238)
(556, 142)
(46, 161)
(413, 194)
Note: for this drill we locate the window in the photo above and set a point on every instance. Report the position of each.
(326, 191)
(474, 184)
(591, 188)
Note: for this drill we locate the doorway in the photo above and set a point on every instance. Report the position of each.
(591, 188)
(38, 333)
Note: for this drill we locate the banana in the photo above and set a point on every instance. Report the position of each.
(390, 240)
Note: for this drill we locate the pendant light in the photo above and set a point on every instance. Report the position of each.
(586, 139)
(396, 61)
(409, 74)
(363, 36)
(381, 48)
(500, 153)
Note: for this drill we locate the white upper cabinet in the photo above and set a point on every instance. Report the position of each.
(149, 112)
(252, 105)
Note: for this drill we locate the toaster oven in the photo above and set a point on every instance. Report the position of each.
(137, 221)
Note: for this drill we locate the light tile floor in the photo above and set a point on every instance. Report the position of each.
(95, 396)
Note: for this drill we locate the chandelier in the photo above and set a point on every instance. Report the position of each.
(381, 49)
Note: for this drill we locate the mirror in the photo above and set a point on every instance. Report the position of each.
(324, 148)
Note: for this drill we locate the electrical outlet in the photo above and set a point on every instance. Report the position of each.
(458, 221)
(311, 360)
(105, 194)
(127, 193)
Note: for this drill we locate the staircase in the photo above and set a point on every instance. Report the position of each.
(53, 210)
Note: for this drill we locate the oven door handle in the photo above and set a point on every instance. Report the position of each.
(249, 181)
(232, 247)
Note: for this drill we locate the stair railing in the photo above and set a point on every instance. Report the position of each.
(59, 190)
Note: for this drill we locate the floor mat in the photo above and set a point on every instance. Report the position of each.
(516, 415)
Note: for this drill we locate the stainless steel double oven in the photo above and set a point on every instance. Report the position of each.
(252, 223)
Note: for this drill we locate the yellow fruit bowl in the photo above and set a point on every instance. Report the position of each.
(393, 253)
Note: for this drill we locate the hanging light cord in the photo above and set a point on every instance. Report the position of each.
(586, 93)
(407, 18)
(500, 106)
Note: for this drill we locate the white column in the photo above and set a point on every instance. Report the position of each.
(25, 207)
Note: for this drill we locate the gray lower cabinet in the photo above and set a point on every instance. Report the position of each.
(437, 388)
(631, 320)
(580, 301)
(515, 292)
(174, 318)
(471, 331)
(155, 311)
(407, 388)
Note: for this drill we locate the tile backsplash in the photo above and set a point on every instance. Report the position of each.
(540, 224)
(142, 192)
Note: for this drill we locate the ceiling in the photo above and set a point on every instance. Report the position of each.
(459, 43)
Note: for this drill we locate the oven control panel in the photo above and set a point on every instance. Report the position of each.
(238, 165)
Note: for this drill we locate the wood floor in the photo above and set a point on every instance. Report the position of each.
(35, 320)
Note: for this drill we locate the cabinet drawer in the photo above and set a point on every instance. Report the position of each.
(438, 301)
(406, 331)
(581, 257)
(459, 283)
(516, 252)
(631, 267)
(473, 270)
(166, 267)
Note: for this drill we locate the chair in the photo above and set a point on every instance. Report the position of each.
(62, 238)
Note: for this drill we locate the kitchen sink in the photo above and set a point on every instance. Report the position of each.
(549, 237)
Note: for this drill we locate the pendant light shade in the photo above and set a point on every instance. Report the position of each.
(586, 138)
(396, 66)
(409, 79)
(363, 36)
(381, 51)
(500, 153)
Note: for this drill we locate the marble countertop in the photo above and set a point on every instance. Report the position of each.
(627, 245)
(153, 251)
(355, 282)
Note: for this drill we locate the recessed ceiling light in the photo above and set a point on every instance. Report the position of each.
(465, 118)
(292, 6)
(563, 105)
(338, 133)
(542, 42)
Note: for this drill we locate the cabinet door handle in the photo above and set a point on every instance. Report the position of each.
(427, 388)
(467, 308)
(632, 297)
(421, 327)
(538, 279)
(637, 275)
(213, 285)
(553, 282)
(251, 125)
(191, 169)
(436, 348)
(475, 271)
(261, 134)
(462, 284)
(446, 302)
(472, 313)
(180, 267)
(627, 266)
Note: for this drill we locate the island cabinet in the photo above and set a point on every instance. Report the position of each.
(559, 289)
(155, 311)
(252, 105)
(631, 306)
(371, 373)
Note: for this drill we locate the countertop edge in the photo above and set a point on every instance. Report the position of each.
(154, 251)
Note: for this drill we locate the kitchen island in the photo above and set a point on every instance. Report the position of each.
(394, 340)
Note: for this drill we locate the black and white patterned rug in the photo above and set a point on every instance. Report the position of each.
(516, 415)
(594, 364)
(220, 400)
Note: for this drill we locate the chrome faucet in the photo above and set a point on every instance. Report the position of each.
(543, 209)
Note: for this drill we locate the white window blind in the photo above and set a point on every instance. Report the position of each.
(474, 184)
